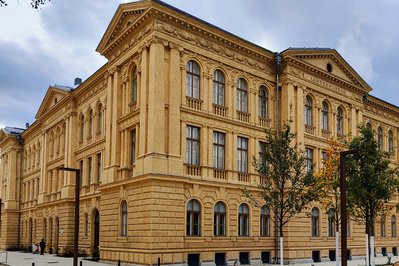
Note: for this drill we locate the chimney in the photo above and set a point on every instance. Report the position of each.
(26, 124)
(78, 81)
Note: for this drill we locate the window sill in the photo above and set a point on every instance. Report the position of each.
(122, 239)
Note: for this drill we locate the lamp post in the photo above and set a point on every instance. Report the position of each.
(344, 218)
(77, 196)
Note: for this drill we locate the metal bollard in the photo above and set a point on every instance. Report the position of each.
(33, 264)
(159, 261)
(81, 263)
(119, 262)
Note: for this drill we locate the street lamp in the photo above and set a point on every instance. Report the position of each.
(77, 196)
(344, 218)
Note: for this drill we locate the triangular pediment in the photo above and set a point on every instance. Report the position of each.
(329, 62)
(53, 97)
(125, 16)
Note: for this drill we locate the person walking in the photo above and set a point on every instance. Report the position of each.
(42, 246)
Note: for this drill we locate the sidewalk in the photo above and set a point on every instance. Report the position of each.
(15, 258)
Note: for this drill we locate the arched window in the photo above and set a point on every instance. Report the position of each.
(315, 223)
(324, 116)
(193, 218)
(340, 121)
(331, 222)
(99, 118)
(383, 227)
(393, 226)
(243, 220)
(380, 140)
(90, 123)
(218, 88)
(193, 80)
(124, 218)
(264, 221)
(242, 95)
(219, 219)
(368, 125)
(82, 127)
(390, 141)
(308, 111)
(263, 102)
(134, 84)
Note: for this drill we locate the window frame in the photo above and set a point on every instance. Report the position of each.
(124, 218)
(308, 111)
(219, 88)
(264, 221)
(193, 80)
(309, 158)
(220, 150)
(219, 219)
(242, 154)
(263, 102)
(315, 222)
(193, 145)
(390, 141)
(340, 121)
(324, 116)
(134, 84)
(380, 138)
(242, 95)
(331, 223)
(393, 226)
(243, 220)
(193, 218)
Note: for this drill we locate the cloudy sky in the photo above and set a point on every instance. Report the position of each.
(57, 43)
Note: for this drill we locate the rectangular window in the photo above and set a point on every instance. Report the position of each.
(262, 153)
(98, 167)
(192, 145)
(89, 170)
(309, 160)
(133, 147)
(323, 158)
(242, 154)
(218, 149)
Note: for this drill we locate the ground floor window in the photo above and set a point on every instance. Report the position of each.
(244, 257)
(193, 260)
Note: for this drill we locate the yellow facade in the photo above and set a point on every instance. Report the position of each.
(128, 125)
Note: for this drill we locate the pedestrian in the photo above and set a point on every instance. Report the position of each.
(42, 246)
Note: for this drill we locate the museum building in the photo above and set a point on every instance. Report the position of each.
(165, 134)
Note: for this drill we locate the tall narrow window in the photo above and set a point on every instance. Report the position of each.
(331, 222)
(315, 222)
(218, 88)
(89, 170)
(324, 116)
(193, 80)
(90, 124)
(382, 227)
(308, 111)
(242, 154)
(262, 153)
(390, 141)
(220, 219)
(81, 172)
(99, 118)
(264, 221)
(380, 139)
(263, 102)
(193, 218)
(192, 145)
(218, 150)
(323, 159)
(242, 95)
(309, 160)
(340, 121)
(86, 231)
(124, 218)
(82, 127)
(243, 220)
(132, 146)
(393, 226)
(134, 84)
(99, 168)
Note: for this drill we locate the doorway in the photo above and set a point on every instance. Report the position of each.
(96, 234)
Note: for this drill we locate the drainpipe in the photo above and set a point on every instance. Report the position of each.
(277, 61)
(21, 143)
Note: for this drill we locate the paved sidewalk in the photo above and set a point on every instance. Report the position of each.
(15, 258)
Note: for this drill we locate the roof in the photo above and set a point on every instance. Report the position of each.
(13, 130)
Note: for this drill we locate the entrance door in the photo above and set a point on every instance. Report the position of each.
(96, 237)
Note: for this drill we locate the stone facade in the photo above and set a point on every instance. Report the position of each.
(158, 128)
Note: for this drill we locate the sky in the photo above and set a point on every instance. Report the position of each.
(56, 44)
